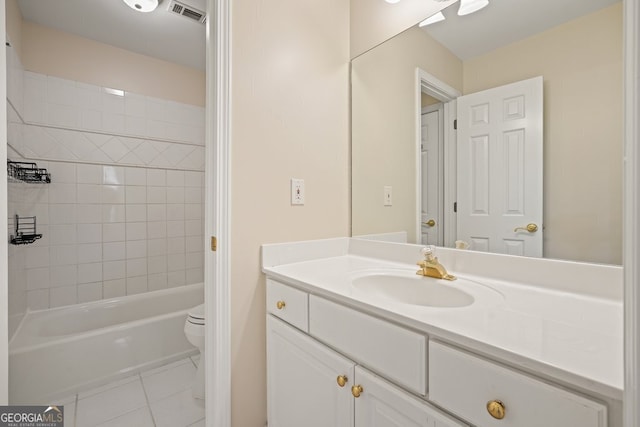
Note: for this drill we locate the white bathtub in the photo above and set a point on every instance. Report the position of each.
(61, 351)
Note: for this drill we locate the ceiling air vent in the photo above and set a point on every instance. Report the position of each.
(187, 11)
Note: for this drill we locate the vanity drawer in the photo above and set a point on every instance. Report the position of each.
(465, 384)
(289, 304)
(392, 351)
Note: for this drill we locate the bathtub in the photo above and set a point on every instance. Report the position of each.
(58, 352)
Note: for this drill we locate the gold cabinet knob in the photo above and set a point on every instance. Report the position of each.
(531, 228)
(342, 380)
(496, 409)
(356, 390)
(280, 305)
(430, 223)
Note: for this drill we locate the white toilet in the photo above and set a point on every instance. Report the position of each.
(194, 330)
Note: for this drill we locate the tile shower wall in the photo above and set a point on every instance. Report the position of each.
(124, 212)
(111, 231)
(16, 196)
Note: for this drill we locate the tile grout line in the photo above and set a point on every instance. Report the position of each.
(146, 397)
(110, 388)
(75, 410)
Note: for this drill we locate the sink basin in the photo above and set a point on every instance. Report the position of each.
(409, 288)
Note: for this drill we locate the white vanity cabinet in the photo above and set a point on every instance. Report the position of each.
(382, 404)
(466, 385)
(329, 365)
(302, 386)
(311, 385)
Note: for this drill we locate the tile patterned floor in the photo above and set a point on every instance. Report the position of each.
(160, 397)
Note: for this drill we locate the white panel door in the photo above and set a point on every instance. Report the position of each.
(500, 168)
(431, 134)
(302, 380)
(382, 404)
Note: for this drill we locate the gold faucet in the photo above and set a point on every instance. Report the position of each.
(430, 266)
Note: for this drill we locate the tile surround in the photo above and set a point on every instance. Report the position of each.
(121, 166)
(111, 240)
(57, 119)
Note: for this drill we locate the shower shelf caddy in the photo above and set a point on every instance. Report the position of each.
(28, 172)
(25, 231)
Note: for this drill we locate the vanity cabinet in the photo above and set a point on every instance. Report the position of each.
(332, 365)
(466, 385)
(383, 404)
(302, 387)
(313, 386)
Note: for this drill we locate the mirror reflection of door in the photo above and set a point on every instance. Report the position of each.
(499, 173)
(500, 169)
(431, 147)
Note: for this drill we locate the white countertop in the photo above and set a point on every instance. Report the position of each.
(568, 337)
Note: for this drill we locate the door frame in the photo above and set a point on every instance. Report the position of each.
(431, 85)
(4, 235)
(439, 107)
(631, 210)
(217, 268)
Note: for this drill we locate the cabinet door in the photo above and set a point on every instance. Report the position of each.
(382, 404)
(302, 380)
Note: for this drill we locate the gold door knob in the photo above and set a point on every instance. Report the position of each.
(342, 380)
(356, 390)
(280, 305)
(531, 228)
(430, 223)
(496, 409)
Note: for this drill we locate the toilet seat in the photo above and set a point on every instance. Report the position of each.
(197, 312)
(196, 315)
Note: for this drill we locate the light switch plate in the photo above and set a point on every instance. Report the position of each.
(297, 191)
(388, 197)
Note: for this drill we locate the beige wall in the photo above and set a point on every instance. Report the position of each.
(383, 128)
(290, 119)
(56, 53)
(14, 25)
(581, 63)
(373, 22)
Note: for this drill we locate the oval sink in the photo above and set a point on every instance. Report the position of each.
(408, 288)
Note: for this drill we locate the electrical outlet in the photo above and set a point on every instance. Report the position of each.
(388, 200)
(297, 191)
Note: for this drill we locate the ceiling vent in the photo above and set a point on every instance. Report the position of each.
(187, 11)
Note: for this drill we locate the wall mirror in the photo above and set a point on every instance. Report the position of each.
(407, 92)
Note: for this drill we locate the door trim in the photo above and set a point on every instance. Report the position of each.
(218, 215)
(439, 107)
(428, 83)
(631, 31)
(4, 248)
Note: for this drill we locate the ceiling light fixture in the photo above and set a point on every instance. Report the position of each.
(470, 6)
(142, 5)
(432, 19)
(392, 1)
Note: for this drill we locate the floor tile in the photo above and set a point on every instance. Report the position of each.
(200, 423)
(105, 387)
(110, 404)
(164, 367)
(169, 381)
(70, 414)
(178, 410)
(138, 418)
(65, 401)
